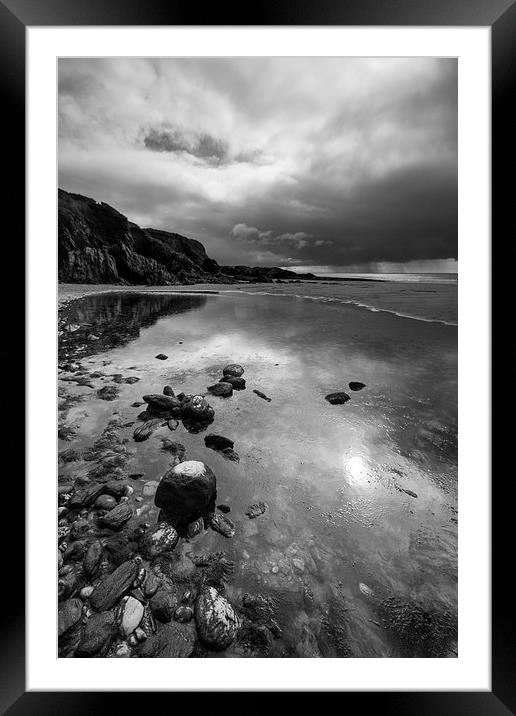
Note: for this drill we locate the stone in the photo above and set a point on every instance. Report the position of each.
(183, 614)
(223, 525)
(256, 510)
(218, 442)
(144, 431)
(86, 592)
(108, 392)
(233, 369)
(98, 634)
(116, 518)
(262, 395)
(356, 385)
(163, 605)
(93, 558)
(178, 450)
(129, 615)
(85, 497)
(237, 383)
(113, 586)
(137, 404)
(224, 508)
(151, 584)
(216, 620)
(162, 403)
(186, 492)
(105, 502)
(221, 390)
(161, 356)
(131, 379)
(172, 424)
(337, 398)
(298, 565)
(157, 540)
(69, 613)
(171, 641)
(167, 390)
(197, 408)
(116, 488)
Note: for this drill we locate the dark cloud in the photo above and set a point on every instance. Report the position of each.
(293, 161)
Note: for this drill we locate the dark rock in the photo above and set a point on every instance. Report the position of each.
(262, 395)
(98, 634)
(408, 492)
(151, 584)
(218, 442)
(68, 615)
(116, 518)
(224, 508)
(163, 605)
(157, 540)
(162, 403)
(186, 492)
(172, 424)
(131, 379)
(216, 620)
(183, 614)
(137, 404)
(171, 641)
(233, 369)
(80, 528)
(116, 488)
(356, 385)
(256, 510)
(136, 475)
(197, 408)
(85, 497)
(105, 502)
(221, 524)
(161, 356)
(221, 390)
(93, 558)
(142, 432)
(167, 390)
(75, 551)
(108, 392)
(237, 383)
(337, 398)
(107, 593)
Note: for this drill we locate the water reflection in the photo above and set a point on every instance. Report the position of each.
(362, 493)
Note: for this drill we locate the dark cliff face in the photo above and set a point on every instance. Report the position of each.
(97, 244)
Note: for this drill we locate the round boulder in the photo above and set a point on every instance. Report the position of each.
(186, 492)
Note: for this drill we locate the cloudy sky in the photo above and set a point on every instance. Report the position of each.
(336, 163)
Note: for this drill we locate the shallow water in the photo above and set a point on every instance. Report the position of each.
(358, 566)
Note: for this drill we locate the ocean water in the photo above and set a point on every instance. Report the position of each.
(358, 546)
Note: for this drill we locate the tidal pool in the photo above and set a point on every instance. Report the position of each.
(358, 546)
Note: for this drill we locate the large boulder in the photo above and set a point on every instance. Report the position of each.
(216, 620)
(186, 492)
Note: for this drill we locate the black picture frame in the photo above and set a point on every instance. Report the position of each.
(15, 17)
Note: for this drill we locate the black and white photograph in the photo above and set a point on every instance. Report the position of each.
(257, 357)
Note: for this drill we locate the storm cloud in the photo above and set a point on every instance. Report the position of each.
(335, 162)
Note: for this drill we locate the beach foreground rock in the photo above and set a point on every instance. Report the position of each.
(338, 398)
(216, 620)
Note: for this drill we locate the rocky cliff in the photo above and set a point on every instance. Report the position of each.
(97, 244)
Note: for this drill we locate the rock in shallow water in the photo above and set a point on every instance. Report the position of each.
(216, 620)
(142, 432)
(109, 392)
(221, 390)
(129, 615)
(161, 356)
(233, 369)
(237, 383)
(157, 540)
(218, 442)
(256, 510)
(186, 492)
(223, 525)
(337, 398)
(356, 385)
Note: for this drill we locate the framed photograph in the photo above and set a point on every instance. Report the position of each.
(258, 302)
